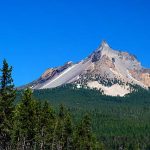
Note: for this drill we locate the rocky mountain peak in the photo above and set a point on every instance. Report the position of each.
(106, 69)
(103, 49)
(103, 46)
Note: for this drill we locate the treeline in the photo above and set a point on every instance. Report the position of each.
(119, 122)
(34, 125)
(28, 121)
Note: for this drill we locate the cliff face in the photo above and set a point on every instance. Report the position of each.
(105, 69)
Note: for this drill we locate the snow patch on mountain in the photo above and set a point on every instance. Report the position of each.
(58, 77)
(105, 66)
(67, 75)
(114, 90)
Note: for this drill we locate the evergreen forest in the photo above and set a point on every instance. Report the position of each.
(70, 118)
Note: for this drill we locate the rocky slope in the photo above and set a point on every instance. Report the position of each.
(110, 70)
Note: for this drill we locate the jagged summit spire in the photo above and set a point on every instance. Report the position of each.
(103, 46)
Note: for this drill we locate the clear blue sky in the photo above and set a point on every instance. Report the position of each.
(38, 34)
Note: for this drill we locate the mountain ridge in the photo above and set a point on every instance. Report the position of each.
(104, 65)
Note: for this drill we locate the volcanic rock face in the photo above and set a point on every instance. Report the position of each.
(106, 69)
(145, 78)
(48, 73)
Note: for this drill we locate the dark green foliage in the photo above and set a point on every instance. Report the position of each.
(121, 123)
(7, 97)
(44, 125)
(24, 121)
(37, 126)
(84, 139)
(63, 133)
(104, 80)
(31, 124)
(117, 121)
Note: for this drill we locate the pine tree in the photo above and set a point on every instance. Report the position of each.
(63, 131)
(68, 133)
(7, 98)
(44, 126)
(84, 138)
(24, 122)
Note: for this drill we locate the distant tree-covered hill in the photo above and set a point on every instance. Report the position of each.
(117, 121)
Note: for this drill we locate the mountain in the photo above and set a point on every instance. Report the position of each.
(113, 72)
